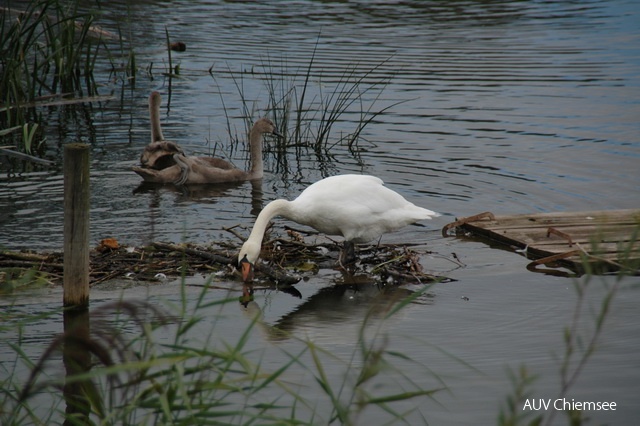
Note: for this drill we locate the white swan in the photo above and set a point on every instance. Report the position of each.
(357, 207)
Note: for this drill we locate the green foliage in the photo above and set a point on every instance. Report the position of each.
(18, 279)
(372, 361)
(48, 49)
(137, 378)
(513, 414)
(579, 344)
(311, 109)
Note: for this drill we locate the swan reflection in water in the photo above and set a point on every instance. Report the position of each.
(335, 312)
(200, 192)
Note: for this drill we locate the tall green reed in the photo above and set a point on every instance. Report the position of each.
(317, 113)
(373, 363)
(49, 49)
(155, 365)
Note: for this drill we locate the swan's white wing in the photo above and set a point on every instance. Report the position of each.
(358, 207)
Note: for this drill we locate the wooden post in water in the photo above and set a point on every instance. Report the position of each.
(76, 225)
(76, 357)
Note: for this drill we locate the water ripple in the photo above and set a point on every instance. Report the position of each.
(522, 105)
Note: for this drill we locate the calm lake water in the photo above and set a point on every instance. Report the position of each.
(512, 107)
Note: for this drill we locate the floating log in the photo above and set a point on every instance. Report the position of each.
(595, 241)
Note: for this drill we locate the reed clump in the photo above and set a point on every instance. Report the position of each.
(316, 113)
(47, 51)
(150, 366)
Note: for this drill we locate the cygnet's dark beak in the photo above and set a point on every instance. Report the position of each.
(277, 133)
(246, 268)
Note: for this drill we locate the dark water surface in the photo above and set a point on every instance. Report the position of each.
(513, 107)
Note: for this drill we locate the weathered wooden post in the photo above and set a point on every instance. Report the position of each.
(76, 357)
(76, 225)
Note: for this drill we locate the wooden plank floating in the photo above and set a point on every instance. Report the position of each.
(604, 240)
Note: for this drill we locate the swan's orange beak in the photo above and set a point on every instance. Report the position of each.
(247, 270)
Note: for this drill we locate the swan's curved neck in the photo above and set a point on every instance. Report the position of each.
(274, 208)
(154, 116)
(255, 154)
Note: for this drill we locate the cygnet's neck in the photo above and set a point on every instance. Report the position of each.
(154, 117)
(255, 154)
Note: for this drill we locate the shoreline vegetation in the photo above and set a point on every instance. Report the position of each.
(55, 55)
(135, 377)
(49, 52)
(158, 371)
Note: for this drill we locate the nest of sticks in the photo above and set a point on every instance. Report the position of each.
(284, 261)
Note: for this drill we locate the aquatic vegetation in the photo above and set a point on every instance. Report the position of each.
(49, 52)
(51, 49)
(580, 345)
(312, 109)
(154, 364)
(151, 367)
(316, 105)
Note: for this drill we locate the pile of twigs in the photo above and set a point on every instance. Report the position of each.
(284, 261)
